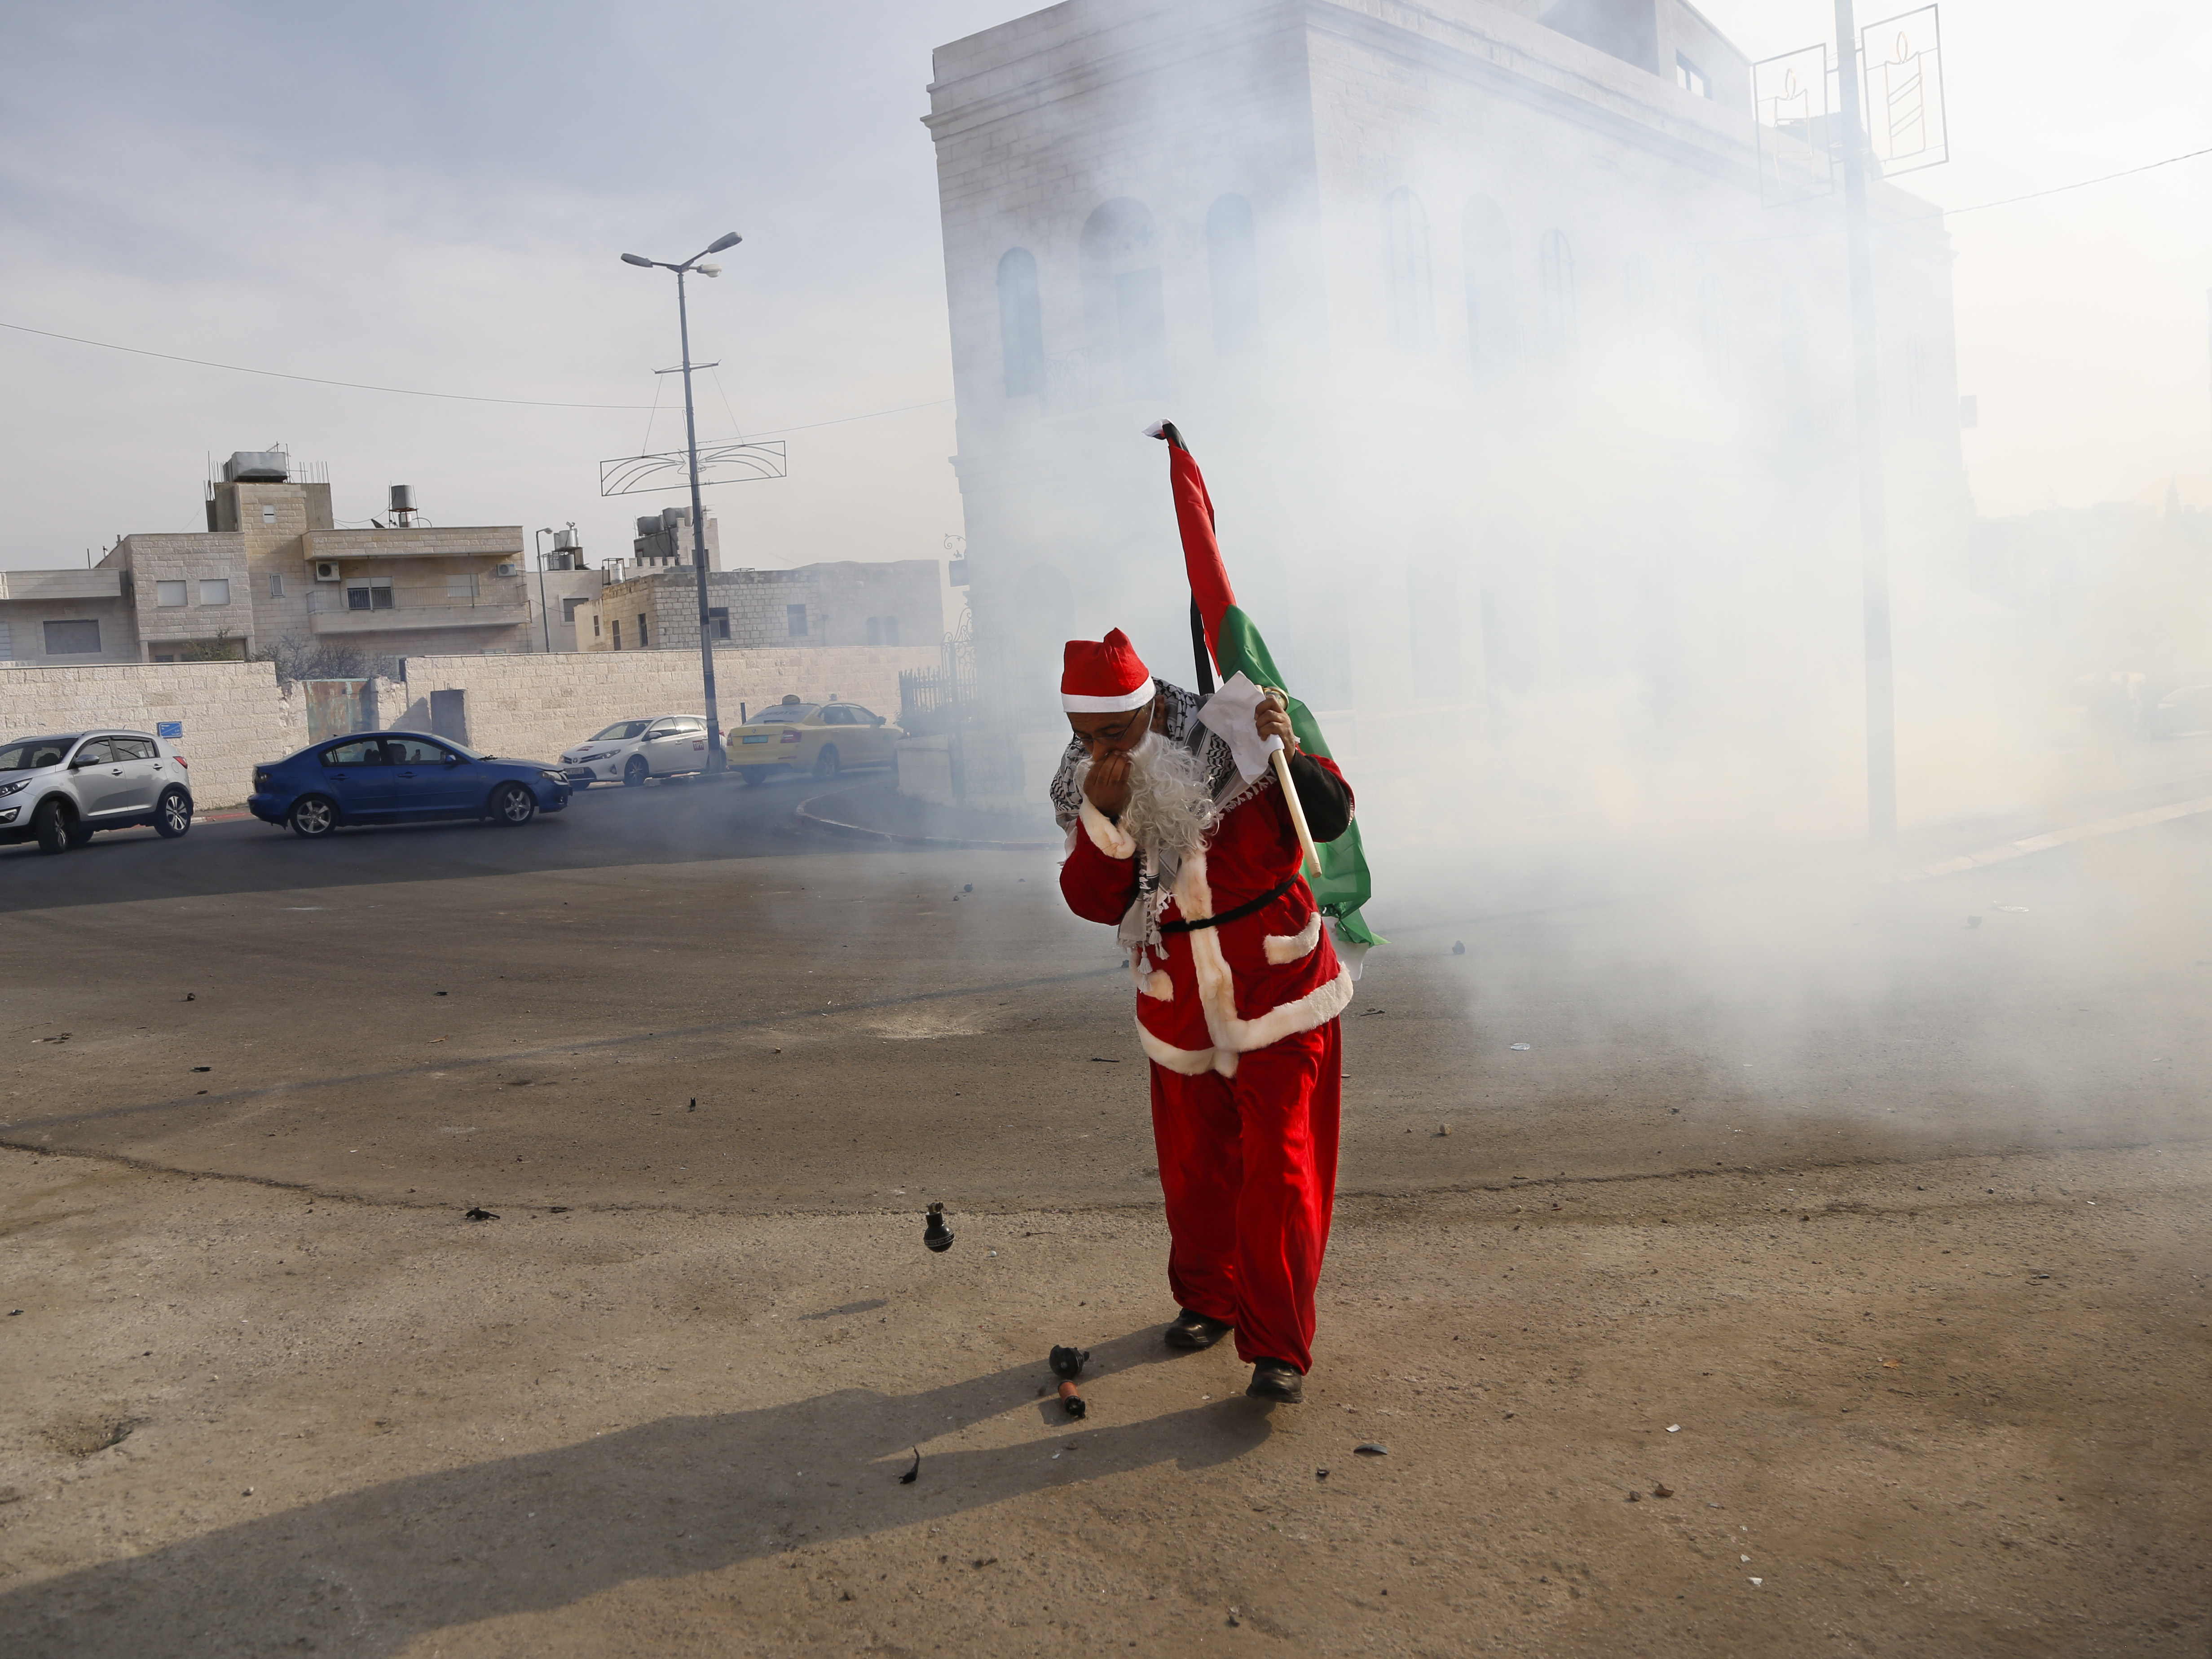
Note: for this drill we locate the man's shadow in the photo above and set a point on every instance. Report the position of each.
(372, 1570)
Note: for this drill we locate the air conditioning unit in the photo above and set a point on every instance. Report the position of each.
(326, 570)
(504, 570)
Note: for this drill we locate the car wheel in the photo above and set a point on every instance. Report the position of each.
(173, 814)
(55, 828)
(636, 772)
(825, 763)
(312, 816)
(512, 804)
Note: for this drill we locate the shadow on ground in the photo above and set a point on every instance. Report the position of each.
(372, 1571)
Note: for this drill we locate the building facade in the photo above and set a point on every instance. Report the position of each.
(1510, 391)
(895, 603)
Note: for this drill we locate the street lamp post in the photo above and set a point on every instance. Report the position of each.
(716, 759)
(542, 616)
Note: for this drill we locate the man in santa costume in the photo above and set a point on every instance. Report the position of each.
(1238, 990)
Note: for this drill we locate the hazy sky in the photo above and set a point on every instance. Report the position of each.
(435, 197)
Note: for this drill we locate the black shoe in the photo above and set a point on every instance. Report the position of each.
(1195, 1330)
(1277, 1379)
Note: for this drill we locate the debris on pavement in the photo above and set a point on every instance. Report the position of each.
(1673, 1428)
(1459, 947)
(2016, 909)
(202, 1068)
(1071, 1403)
(1973, 922)
(1520, 1048)
(934, 1232)
(1371, 1449)
(1068, 1363)
(191, 996)
(1636, 1498)
(479, 1213)
(909, 1477)
(1320, 1474)
(1663, 1491)
(1444, 1129)
(693, 1106)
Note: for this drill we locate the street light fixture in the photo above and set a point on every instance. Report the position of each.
(717, 760)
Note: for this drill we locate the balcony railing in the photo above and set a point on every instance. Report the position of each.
(358, 606)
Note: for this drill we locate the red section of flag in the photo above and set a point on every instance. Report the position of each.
(1201, 551)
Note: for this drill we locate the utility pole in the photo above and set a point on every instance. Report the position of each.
(717, 758)
(1873, 528)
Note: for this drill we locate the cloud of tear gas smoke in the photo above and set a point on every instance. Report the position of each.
(1529, 426)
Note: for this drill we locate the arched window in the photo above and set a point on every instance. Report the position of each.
(1555, 275)
(1232, 261)
(1406, 233)
(1124, 320)
(1640, 299)
(1021, 322)
(1491, 326)
(1712, 326)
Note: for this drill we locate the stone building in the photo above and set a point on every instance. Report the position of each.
(1509, 390)
(895, 603)
(69, 618)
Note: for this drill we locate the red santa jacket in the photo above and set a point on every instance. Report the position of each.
(1205, 996)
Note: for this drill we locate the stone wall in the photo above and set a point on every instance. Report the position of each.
(233, 714)
(534, 706)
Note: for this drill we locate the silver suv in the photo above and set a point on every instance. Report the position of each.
(57, 790)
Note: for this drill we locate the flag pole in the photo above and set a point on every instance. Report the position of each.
(1281, 759)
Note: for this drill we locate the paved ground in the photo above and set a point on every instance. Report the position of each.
(1830, 1122)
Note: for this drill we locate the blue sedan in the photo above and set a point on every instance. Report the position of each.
(392, 777)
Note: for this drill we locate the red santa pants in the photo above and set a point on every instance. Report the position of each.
(1249, 1167)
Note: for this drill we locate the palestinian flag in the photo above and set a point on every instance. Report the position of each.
(1234, 642)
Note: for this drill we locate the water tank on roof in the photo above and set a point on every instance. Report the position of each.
(566, 541)
(403, 498)
(257, 466)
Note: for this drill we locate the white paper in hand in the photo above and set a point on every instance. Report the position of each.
(1233, 712)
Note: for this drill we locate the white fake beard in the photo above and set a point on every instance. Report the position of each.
(1170, 809)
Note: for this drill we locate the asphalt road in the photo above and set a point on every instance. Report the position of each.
(461, 1014)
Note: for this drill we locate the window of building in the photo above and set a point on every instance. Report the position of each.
(1488, 250)
(268, 515)
(7, 643)
(1021, 322)
(1232, 263)
(794, 617)
(595, 625)
(643, 638)
(171, 593)
(1124, 313)
(890, 630)
(369, 593)
(460, 584)
(569, 609)
(1405, 233)
(276, 584)
(1639, 298)
(215, 590)
(1555, 270)
(875, 631)
(72, 638)
(1712, 326)
(718, 622)
(1691, 78)
(617, 634)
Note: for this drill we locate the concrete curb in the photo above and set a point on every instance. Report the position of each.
(2014, 849)
(810, 819)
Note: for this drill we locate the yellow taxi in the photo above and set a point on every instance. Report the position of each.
(823, 738)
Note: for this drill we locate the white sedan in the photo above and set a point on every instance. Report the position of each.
(630, 751)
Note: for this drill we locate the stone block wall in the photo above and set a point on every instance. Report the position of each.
(232, 713)
(533, 706)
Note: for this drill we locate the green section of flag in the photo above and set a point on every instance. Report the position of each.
(1343, 885)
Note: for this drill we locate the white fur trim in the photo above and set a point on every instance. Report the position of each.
(1075, 703)
(1217, 984)
(1150, 981)
(1190, 1062)
(1105, 835)
(1289, 947)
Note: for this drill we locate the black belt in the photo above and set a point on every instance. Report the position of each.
(1250, 906)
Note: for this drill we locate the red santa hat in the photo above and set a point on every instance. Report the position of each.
(1103, 676)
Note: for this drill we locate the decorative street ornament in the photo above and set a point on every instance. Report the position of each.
(718, 464)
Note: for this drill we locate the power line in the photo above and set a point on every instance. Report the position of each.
(457, 397)
(312, 380)
(1977, 207)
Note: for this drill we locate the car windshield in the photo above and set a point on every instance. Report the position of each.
(622, 732)
(777, 712)
(30, 753)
